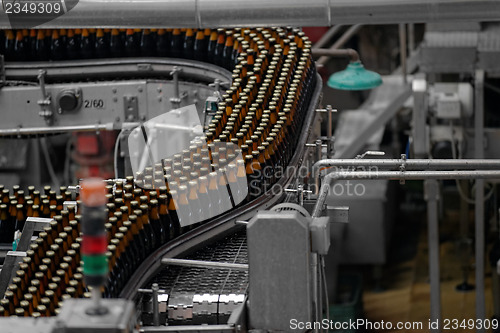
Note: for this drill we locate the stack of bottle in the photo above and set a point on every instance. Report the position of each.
(245, 150)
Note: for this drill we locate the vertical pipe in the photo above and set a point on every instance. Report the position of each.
(432, 196)
(411, 38)
(156, 311)
(402, 49)
(315, 287)
(329, 132)
(419, 116)
(479, 211)
(319, 150)
(320, 289)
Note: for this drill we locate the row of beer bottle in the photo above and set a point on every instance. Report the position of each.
(216, 46)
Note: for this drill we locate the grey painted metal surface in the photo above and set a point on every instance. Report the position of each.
(369, 222)
(120, 317)
(279, 249)
(238, 13)
(103, 103)
(108, 96)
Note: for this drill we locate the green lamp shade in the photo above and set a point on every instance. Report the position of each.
(354, 77)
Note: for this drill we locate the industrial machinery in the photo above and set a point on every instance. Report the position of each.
(220, 202)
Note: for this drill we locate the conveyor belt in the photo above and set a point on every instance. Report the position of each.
(224, 225)
(190, 289)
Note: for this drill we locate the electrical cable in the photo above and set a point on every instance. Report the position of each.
(115, 155)
(50, 168)
(67, 161)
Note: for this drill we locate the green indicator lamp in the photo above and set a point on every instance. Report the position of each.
(355, 76)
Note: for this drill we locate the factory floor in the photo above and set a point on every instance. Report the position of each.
(405, 295)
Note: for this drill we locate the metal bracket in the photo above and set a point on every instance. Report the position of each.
(330, 140)
(320, 234)
(178, 97)
(217, 83)
(46, 101)
(32, 225)
(300, 193)
(402, 167)
(131, 108)
(318, 144)
(370, 153)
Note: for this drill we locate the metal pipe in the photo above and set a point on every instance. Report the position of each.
(410, 164)
(432, 197)
(411, 38)
(327, 36)
(374, 165)
(55, 129)
(150, 291)
(397, 175)
(329, 132)
(340, 42)
(402, 50)
(351, 53)
(479, 209)
(204, 264)
(315, 288)
(257, 13)
(156, 310)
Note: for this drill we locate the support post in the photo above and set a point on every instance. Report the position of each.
(432, 198)
(479, 211)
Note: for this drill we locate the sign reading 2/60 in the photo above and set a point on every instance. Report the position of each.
(93, 104)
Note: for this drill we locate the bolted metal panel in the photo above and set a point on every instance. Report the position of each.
(280, 275)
